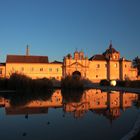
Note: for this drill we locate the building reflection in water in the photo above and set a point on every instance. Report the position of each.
(108, 104)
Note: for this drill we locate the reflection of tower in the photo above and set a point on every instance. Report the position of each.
(79, 113)
(112, 114)
(113, 99)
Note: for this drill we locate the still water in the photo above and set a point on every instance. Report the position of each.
(92, 114)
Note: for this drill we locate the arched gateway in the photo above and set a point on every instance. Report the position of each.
(76, 73)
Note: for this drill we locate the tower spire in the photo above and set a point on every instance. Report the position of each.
(110, 45)
(27, 50)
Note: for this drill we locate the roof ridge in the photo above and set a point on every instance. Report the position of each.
(26, 59)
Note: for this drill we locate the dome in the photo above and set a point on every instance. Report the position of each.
(110, 50)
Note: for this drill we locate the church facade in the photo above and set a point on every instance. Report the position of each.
(108, 65)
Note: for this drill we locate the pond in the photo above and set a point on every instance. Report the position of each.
(92, 114)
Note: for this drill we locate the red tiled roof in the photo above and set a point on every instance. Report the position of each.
(26, 59)
(98, 57)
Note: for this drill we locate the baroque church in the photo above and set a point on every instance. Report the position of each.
(108, 65)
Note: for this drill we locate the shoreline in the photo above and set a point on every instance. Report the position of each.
(90, 86)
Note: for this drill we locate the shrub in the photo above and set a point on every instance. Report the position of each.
(19, 82)
(127, 83)
(104, 82)
(3, 83)
(42, 84)
(72, 82)
(23, 83)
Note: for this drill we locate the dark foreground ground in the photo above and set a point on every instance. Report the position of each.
(137, 137)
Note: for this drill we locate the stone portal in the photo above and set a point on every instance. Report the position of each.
(76, 73)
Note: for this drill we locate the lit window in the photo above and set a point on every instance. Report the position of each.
(98, 66)
(41, 69)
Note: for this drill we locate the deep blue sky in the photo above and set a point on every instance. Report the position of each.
(58, 27)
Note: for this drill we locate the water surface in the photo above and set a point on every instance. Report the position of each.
(92, 114)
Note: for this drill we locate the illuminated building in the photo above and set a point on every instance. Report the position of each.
(108, 65)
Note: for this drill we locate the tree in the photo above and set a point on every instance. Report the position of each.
(136, 64)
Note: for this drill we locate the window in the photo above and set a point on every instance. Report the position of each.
(32, 69)
(85, 74)
(114, 56)
(98, 66)
(125, 66)
(41, 69)
(97, 103)
(106, 65)
(22, 69)
(57, 69)
(96, 76)
(50, 69)
(115, 65)
(0, 71)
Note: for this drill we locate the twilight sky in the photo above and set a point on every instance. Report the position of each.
(57, 27)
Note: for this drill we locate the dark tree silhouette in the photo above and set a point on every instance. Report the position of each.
(136, 64)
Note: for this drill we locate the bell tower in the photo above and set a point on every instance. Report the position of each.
(27, 50)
